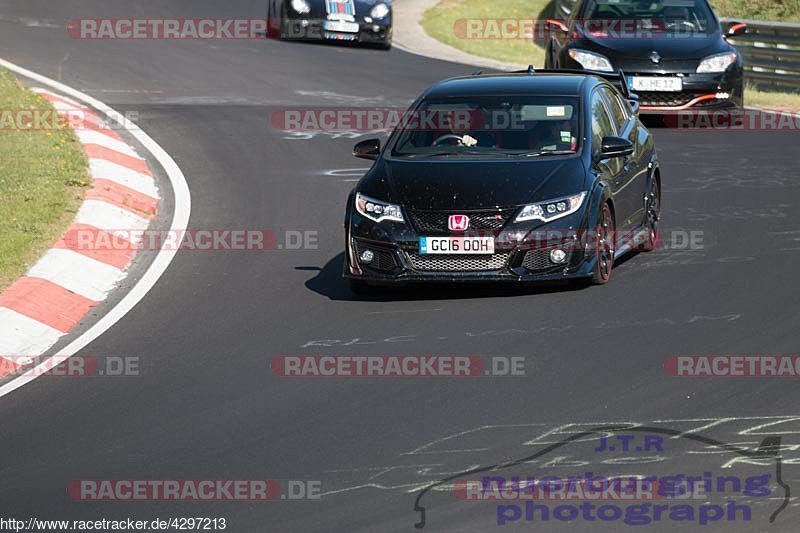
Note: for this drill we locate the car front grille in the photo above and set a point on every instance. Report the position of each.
(656, 99)
(435, 222)
(459, 263)
(665, 99)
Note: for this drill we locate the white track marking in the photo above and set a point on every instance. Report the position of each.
(180, 220)
(61, 106)
(106, 170)
(106, 216)
(65, 98)
(76, 272)
(25, 336)
(106, 141)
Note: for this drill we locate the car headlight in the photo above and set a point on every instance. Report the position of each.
(301, 6)
(379, 11)
(591, 60)
(377, 210)
(717, 63)
(551, 209)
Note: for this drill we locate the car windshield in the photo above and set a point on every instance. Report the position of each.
(491, 126)
(657, 16)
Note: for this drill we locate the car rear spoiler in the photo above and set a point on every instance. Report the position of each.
(617, 79)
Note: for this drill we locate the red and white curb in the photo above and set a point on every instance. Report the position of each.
(58, 292)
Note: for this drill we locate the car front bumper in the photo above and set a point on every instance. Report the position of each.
(522, 254)
(707, 91)
(512, 270)
(700, 92)
(312, 29)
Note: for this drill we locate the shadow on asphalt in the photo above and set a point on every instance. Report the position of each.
(325, 42)
(329, 283)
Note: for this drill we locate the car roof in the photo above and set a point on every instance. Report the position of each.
(543, 83)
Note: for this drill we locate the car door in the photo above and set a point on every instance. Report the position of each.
(609, 169)
(632, 178)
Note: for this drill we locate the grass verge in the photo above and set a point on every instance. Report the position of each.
(777, 10)
(771, 100)
(440, 22)
(43, 172)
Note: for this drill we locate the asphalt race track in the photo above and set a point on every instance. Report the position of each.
(206, 403)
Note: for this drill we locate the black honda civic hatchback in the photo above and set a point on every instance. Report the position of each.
(512, 177)
(674, 52)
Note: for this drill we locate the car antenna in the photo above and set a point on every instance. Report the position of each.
(477, 73)
(531, 70)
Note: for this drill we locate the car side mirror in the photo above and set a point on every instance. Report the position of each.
(616, 147)
(369, 149)
(556, 26)
(736, 28)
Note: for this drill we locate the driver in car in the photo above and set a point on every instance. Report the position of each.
(461, 135)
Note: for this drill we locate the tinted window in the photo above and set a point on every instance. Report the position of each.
(620, 115)
(656, 16)
(489, 125)
(602, 124)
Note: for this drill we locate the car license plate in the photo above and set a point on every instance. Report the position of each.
(339, 25)
(456, 245)
(657, 84)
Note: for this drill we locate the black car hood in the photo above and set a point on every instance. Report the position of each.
(469, 184)
(668, 47)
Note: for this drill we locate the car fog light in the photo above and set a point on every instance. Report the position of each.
(558, 256)
(367, 256)
(722, 96)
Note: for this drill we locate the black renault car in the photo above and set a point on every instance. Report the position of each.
(675, 52)
(511, 177)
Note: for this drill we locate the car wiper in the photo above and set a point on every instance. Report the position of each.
(545, 152)
(460, 152)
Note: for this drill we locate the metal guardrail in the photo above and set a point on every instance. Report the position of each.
(771, 52)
